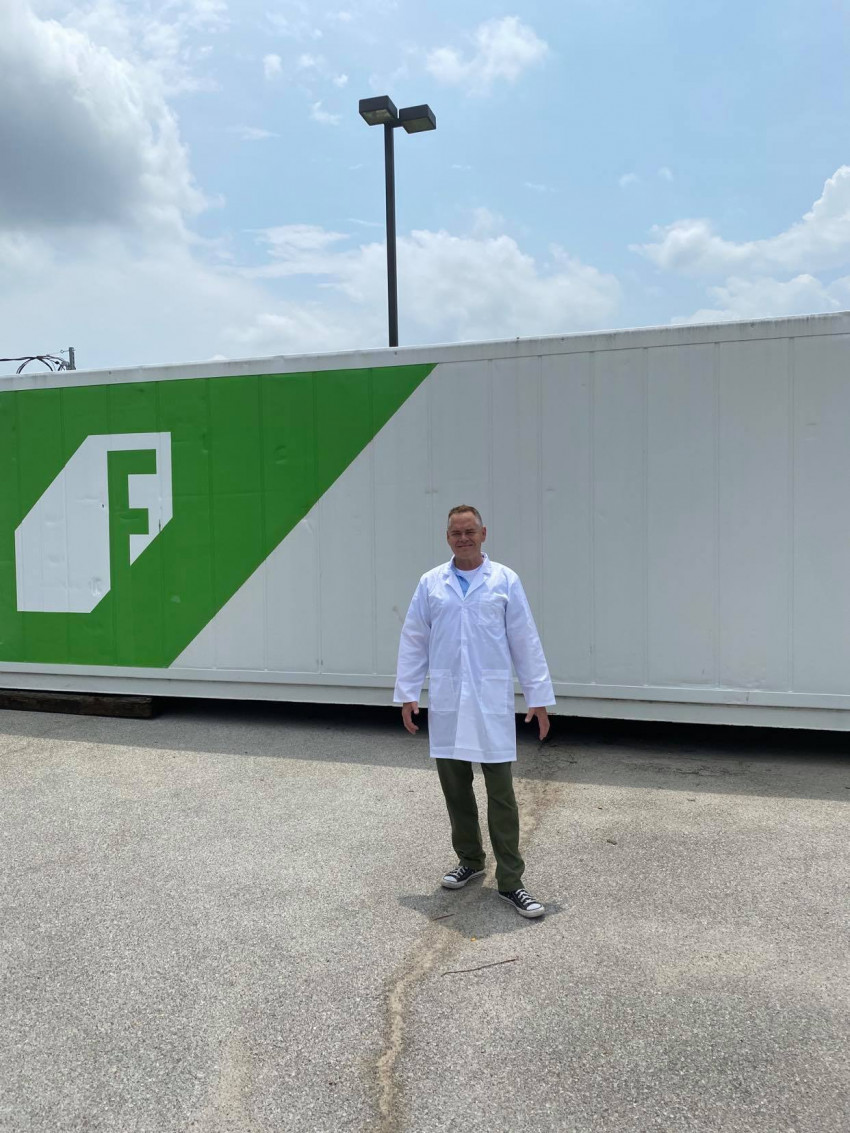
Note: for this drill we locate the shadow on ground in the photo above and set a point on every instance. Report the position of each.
(476, 913)
(716, 758)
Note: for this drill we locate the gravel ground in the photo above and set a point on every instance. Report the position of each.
(228, 919)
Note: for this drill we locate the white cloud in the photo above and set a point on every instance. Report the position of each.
(272, 66)
(24, 254)
(160, 34)
(69, 104)
(297, 249)
(103, 255)
(297, 27)
(341, 81)
(253, 133)
(628, 179)
(210, 11)
(487, 222)
(121, 301)
(307, 62)
(819, 241)
(771, 298)
(320, 115)
(469, 288)
(665, 173)
(319, 291)
(94, 245)
(536, 187)
(501, 49)
(770, 277)
(381, 81)
(451, 287)
(309, 328)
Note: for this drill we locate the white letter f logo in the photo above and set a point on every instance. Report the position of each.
(62, 559)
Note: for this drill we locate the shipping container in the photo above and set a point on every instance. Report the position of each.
(675, 501)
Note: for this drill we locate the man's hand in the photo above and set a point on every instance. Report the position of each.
(542, 719)
(411, 709)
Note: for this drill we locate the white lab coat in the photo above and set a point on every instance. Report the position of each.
(468, 645)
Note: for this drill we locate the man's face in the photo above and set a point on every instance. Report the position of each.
(465, 535)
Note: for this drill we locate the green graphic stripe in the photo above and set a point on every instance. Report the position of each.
(250, 457)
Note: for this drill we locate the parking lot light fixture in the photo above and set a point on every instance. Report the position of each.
(378, 111)
(417, 119)
(381, 111)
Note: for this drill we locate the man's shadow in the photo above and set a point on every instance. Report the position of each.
(474, 911)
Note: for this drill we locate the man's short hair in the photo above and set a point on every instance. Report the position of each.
(464, 507)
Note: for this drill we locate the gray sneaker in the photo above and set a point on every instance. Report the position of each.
(523, 902)
(459, 877)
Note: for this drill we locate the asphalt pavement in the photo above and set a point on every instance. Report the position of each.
(228, 919)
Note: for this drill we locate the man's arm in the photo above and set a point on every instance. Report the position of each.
(527, 656)
(413, 651)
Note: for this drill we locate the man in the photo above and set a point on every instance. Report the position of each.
(468, 621)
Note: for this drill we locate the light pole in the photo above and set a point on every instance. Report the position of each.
(381, 111)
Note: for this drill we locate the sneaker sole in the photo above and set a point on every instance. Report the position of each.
(529, 915)
(460, 884)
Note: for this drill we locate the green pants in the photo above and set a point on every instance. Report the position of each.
(502, 818)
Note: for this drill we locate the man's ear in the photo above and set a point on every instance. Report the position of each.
(483, 534)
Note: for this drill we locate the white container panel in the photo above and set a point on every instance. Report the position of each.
(271, 622)
(682, 515)
(619, 516)
(460, 444)
(514, 515)
(239, 630)
(292, 600)
(565, 610)
(675, 501)
(821, 619)
(754, 515)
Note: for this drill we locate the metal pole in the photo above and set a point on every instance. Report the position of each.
(392, 278)
(72, 358)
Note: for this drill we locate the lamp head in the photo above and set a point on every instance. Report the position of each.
(417, 119)
(378, 111)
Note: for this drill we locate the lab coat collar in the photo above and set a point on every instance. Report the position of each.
(451, 577)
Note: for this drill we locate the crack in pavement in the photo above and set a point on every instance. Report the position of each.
(534, 798)
(437, 943)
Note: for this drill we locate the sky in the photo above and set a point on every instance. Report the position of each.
(184, 180)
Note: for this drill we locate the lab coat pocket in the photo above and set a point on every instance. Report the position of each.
(441, 691)
(496, 690)
(491, 612)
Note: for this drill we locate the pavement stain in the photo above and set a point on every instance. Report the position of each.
(435, 945)
(535, 796)
(226, 1109)
(538, 795)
